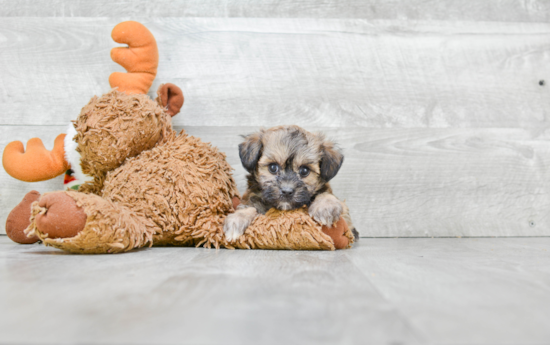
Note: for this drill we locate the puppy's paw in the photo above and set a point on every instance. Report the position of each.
(326, 209)
(236, 223)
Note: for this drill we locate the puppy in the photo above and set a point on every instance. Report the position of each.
(288, 167)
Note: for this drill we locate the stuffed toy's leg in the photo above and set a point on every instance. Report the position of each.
(293, 230)
(88, 224)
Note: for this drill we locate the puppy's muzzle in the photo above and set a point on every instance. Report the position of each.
(287, 192)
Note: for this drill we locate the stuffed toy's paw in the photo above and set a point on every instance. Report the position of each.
(59, 217)
(339, 233)
(19, 219)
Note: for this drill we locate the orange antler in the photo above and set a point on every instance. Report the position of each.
(37, 164)
(140, 58)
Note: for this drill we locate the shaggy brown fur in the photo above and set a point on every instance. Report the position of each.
(286, 230)
(177, 193)
(179, 185)
(114, 127)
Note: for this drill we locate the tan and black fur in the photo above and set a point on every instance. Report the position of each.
(289, 168)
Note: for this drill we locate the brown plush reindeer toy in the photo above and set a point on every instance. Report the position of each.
(143, 184)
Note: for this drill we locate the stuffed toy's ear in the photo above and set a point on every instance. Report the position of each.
(140, 58)
(170, 97)
(331, 161)
(250, 151)
(37, 164)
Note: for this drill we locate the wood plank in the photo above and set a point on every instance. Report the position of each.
(464, 291)
(401, 182)
(191, 296)
(487, 10)
(311, 72)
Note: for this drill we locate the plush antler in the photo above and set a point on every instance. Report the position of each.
(37, 164)
(140, 58)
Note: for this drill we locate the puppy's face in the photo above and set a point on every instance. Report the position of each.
(288, 165)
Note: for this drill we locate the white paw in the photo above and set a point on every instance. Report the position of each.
(236, 224)
(326, 210)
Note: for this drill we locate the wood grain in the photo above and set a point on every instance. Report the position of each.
(456, 10)
(266, 72)
(383, 291)
(191, 296)
(400, 182)
(444, 123)
(464, 291)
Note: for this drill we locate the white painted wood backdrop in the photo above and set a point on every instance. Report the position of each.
(437, 104)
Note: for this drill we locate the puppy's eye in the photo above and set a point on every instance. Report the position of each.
(304, 171)
(273, 168)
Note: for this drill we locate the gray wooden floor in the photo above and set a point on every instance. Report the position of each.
(383, 291)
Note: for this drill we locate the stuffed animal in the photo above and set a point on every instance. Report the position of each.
(141, 183)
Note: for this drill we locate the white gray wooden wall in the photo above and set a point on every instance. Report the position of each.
(438, 105)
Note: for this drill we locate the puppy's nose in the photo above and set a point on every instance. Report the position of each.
(287, 191)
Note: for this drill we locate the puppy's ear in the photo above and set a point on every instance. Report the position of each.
(331, 161)
(250, 151)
